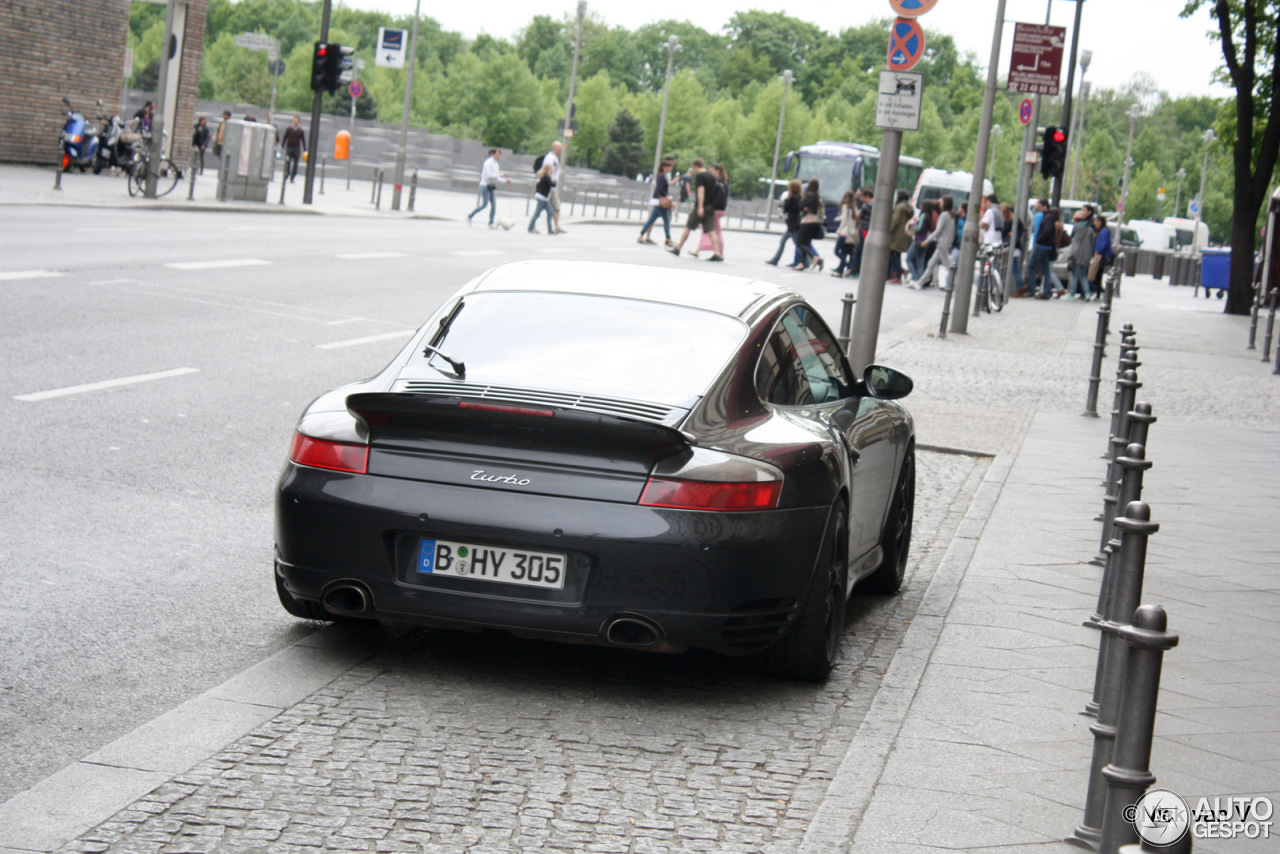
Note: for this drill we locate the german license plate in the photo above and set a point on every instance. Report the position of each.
(491, 563)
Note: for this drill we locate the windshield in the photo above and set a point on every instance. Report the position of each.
(834, 176)
(632, 348)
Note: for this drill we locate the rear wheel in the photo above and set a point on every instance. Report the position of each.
(996, 291)
(895, 541)
(810, 650)
(138, 179)
(167, 178)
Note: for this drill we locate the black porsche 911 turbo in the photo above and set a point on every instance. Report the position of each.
(631, 456)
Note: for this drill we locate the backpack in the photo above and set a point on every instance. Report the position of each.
(537, 163)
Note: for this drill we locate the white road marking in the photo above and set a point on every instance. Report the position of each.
(344, 320)
(368, 339)
(558, 250)
(104, 384)
(112, 282)
(218, 265)
(362, 256)
(30, 274)
(257, 228)
(108, 230)
(475, 252)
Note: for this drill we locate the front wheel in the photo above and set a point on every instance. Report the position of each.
(138, 179)
(167, 177)
(995, 289)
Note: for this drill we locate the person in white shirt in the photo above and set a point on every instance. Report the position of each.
(489, 177)
(553, 157)
(992, 221)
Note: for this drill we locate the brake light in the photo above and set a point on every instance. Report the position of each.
(513, 410)
(323, 454)
(708, 495)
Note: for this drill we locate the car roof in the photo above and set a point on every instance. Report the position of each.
(736, 296)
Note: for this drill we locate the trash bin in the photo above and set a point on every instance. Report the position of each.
(1215, 269)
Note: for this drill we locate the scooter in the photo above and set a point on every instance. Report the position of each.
(78, 142)
(117, 147)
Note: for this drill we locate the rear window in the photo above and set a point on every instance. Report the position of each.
(576, 342)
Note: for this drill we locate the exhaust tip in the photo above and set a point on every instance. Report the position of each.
(350, 600)
(633, 631)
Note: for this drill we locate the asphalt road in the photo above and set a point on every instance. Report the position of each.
(153, 364)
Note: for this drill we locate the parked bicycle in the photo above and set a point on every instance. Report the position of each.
(167, 175)
(990, 284)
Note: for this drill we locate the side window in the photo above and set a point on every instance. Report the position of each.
(802, 364)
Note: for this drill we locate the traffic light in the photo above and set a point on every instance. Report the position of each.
(1053, 153)
(319, 67)
(330, 66)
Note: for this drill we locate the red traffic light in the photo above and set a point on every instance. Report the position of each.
(1059, 135)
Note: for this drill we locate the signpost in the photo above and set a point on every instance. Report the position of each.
(1036, 61)
(391, 44)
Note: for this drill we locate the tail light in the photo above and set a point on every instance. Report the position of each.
(331, 440)
(709, 480)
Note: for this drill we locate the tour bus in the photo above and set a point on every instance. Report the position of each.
(936, 183)
(841, 166)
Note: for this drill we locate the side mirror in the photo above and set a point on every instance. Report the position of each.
(886, 383)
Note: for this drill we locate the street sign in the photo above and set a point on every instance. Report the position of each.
(1193, 207)
(1024, 111)
(1036, 62)
(912, 8)
(391, 47)
(355, 88)
(898, 101)
(258, 41)
(906, 44)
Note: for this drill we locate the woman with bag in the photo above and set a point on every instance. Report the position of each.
(791, 222)
(719, 204)
(812, 212)
(846, 233)
(542, 193)
(1103, 255)
(942, 237)
(662, 203)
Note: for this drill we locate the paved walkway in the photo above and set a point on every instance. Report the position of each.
(973, 739)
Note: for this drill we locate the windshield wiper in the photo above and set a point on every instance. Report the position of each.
(445, 322)
(458, 366)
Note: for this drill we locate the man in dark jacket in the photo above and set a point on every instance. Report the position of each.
(293, 143)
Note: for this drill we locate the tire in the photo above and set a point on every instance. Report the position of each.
(810, 649)
(895, 540)
(167, 178)
(138, 179)
(996, 291)
(301, 608)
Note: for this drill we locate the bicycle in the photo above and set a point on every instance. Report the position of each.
(167, 176)
(990, 284)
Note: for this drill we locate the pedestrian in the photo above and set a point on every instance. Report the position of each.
(918, 254)
(1103, 252)
(200, 139)
(864, 225)
(719, 203)
(1046, 249)
(661, 203)
(899, 234)
(942, 238)
(992, 221)
(220, 135)
(848, 225)
(1017, 241)
(490, 175)
(812, 215)
(790, 219)
(142, 118)
(701, 213)
(553, 157)
(542, 194)
(294, 143)
(686, 190)
(1081, 252)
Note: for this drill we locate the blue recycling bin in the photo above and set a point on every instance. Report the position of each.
(1215, 269)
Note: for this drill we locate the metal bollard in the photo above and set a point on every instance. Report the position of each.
(946, 302)
(1128, 362)
(322, 165)
(378, 203)
(1137, 527)
(1129, 773)
(373, 185)
(413, 189)
(846, 321)
(284, 182)
(1099, 352)
(1271, 324)
(1127, 386)
(191, 188)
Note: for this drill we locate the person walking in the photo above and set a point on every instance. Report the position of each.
(1103, 251)
(490, 175)
(1014, 230)
(142, 118)
(790, 219)
(899, 234)
(701, 213)
(542, 194)
(812, 214)
(553, 157)
(848, 225)
(918, 255)
(864, 225)
(220, 135)
(719, 204)
(294, 142)
(1081, 252)
(992, 221)
(200, 139)
(942, 238)
(661, 203)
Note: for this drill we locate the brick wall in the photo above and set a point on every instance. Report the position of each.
(75, 49)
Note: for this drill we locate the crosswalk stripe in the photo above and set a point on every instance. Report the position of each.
(218, 265)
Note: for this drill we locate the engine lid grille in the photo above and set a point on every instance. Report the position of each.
(659, 413)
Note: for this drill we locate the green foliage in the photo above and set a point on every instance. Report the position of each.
(625, 153)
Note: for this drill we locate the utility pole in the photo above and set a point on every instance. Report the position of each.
(972, 226)
(404, 115)
(1134, 111)
(175, 19)
(777, 148)
(1066, 102)
(573, 74)
(1209, 137)
(1076, 140)
(673, 45)
(314, 132)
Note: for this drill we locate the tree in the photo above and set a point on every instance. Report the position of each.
(1248, 30)
(625, 155)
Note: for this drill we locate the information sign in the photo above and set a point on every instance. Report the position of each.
(391, 47)
(1036, 62)
(906, 44)
(899, 98)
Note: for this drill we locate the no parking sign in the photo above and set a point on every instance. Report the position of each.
(906, 44)
(912, 8)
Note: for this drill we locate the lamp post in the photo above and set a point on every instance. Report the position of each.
(1074, 140)
(1209, 137)
(1177, 201)
(573, 74)
(1134, 111)
(996, 130)
(673, 45)
(777, 148)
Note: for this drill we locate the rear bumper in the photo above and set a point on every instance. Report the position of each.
(725, 581)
